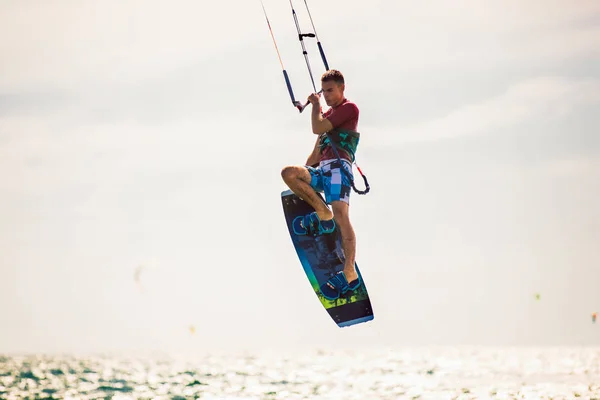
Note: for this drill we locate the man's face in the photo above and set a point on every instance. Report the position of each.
(333, 93)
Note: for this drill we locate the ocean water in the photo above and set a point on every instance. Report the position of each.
(406, 373)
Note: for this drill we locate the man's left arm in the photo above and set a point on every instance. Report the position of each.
(319, 124)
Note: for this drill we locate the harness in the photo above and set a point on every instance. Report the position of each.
(347, 141)
(344, 140)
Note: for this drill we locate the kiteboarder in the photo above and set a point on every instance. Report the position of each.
(328, 169)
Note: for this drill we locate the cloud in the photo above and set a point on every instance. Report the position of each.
(474, 36)
(469, 16)
(583, 166)
(68, 43)
(543, 97)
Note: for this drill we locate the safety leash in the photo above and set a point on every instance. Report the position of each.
(349, 175)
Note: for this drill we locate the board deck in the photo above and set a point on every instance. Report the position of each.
(321, 257)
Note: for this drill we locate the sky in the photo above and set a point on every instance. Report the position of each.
(149, 136)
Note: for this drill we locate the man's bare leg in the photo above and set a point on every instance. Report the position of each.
(342, 220)
(298, 180)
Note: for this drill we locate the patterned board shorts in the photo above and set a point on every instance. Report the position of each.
(329, 179)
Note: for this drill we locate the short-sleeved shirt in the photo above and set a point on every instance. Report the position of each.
(343, 116)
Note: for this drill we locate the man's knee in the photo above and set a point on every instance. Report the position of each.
(288, 173)
(291, 173)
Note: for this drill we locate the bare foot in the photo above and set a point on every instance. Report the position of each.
(325, 215)
(351, 274)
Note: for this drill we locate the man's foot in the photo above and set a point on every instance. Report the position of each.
(325, 215)
(352, 277)
(337, 285)
(312, 225)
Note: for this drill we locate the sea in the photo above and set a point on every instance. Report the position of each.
(435, 373)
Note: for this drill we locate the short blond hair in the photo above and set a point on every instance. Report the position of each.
(333, 75)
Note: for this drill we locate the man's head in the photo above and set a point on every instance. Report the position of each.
(332, 83)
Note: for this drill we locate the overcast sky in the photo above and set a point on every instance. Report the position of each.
(147, 133)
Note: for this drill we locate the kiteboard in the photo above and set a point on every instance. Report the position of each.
(322, 257)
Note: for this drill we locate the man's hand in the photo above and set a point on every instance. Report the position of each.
(314, 99)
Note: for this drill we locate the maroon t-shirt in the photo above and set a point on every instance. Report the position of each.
(343, 116)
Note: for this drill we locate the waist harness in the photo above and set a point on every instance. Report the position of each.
(344, 140)
(347, 141)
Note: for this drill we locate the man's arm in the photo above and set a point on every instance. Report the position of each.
(313, 158)
(319, 124)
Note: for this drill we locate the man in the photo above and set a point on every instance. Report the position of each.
(323, 173)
